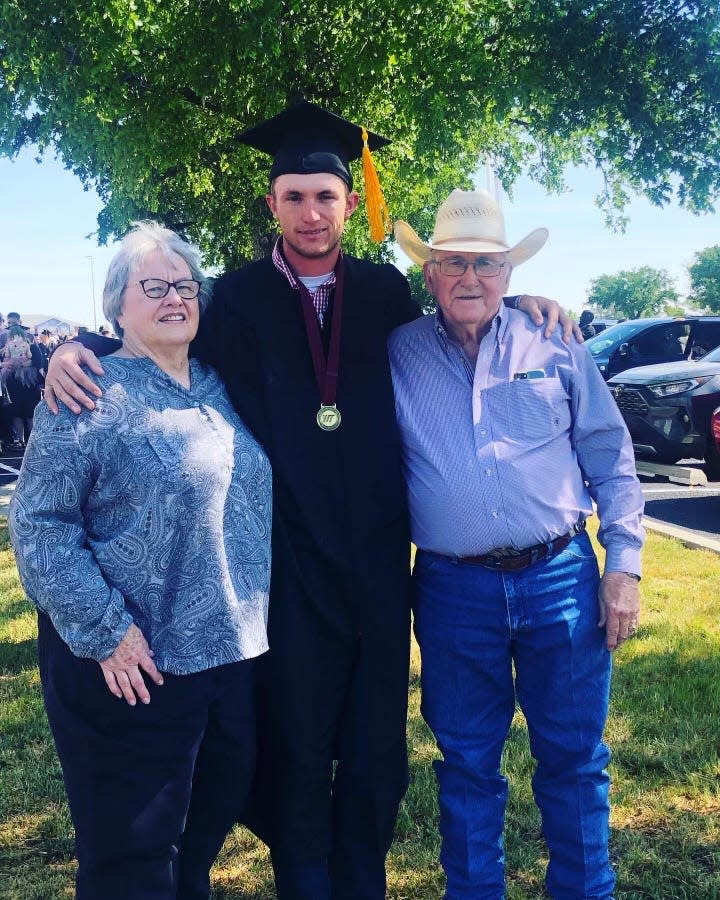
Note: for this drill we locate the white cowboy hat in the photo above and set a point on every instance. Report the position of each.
(469, 222)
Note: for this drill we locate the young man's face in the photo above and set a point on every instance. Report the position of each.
(312, 211)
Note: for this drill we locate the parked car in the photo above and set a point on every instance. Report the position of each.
(713, 451)
(645, 342)
(668, 409)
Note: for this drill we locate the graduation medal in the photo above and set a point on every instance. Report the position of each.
(328, 417)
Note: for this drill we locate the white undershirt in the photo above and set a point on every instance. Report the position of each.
(313, 282)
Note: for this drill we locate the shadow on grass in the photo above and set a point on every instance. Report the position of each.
(15, 608)
(664, 858)
(17, 657)
(235, 891)
(669, 702)
(43, 850)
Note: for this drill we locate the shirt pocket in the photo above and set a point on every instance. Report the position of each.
(166, 460)
(537, 408)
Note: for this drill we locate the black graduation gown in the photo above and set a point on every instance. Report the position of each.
(339, 601)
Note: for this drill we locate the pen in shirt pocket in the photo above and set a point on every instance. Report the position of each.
(530, 374)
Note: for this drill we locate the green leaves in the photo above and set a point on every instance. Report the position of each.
(634, 293)
(143, 99)
(705, 279)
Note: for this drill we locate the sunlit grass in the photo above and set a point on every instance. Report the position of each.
(664, 730)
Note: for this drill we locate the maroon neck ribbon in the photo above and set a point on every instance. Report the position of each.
(326, 371)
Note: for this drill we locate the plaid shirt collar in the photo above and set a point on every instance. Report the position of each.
(321, 297)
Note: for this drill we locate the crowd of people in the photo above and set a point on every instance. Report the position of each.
(225, 644)
(24, 358)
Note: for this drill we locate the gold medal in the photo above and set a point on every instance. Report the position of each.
(328, 417)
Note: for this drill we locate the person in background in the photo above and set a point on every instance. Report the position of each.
(508, 438)
(45, 345)
(13, 318)
(142, 534)
(586, 323)
(6, 435)
(22, 369)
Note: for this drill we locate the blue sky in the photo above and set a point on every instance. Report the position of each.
(46, 216)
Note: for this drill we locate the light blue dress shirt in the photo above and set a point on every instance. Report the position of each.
(498, 455)
(155, 508)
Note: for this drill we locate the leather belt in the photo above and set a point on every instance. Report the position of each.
(508, 559)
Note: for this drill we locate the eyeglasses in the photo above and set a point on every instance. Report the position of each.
(483, 267)
(157, 288)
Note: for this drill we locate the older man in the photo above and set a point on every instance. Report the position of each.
(508, 438)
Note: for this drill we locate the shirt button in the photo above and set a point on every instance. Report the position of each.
(494, 514)
(483, 432)
(488, 471)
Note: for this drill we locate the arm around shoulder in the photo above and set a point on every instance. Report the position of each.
(66, 380)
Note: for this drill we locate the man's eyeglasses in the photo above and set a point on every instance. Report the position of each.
(484, 268)
(157, 288)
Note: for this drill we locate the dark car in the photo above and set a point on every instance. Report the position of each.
(645, 342)
(668, 409)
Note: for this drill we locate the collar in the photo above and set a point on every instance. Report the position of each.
(285, 269)
(499, 324)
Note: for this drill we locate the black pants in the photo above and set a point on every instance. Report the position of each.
(153, 790)
(344, 700)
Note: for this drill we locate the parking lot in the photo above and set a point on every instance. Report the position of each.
(694, 510)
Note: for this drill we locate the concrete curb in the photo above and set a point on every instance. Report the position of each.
(685, 535)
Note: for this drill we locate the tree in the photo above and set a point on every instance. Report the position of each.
(634, 293)
(705, 279)
(144, 99)
(419, 290)
(674, 309)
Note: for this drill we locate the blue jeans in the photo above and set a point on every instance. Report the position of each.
(473, 624)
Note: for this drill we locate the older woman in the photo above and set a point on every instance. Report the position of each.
(142, 534)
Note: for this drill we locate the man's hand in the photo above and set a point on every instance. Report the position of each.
(122, 668)
(619, 607)
(540, 308)
(66, 381)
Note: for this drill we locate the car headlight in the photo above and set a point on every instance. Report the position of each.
(602, 367)
(670, 388)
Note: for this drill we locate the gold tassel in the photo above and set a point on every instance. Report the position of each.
(377, 211)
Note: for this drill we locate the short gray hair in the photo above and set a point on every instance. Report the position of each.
(142, 239)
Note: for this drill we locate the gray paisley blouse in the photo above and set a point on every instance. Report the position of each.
(154, 508)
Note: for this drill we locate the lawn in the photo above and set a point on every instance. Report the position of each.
(664, 730)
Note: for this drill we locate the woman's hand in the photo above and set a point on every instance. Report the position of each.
(66, 380)
(539, 307)
(122, 668)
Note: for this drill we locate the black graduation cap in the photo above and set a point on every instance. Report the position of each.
(307, 139)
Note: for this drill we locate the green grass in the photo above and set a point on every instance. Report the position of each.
(664, 730)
